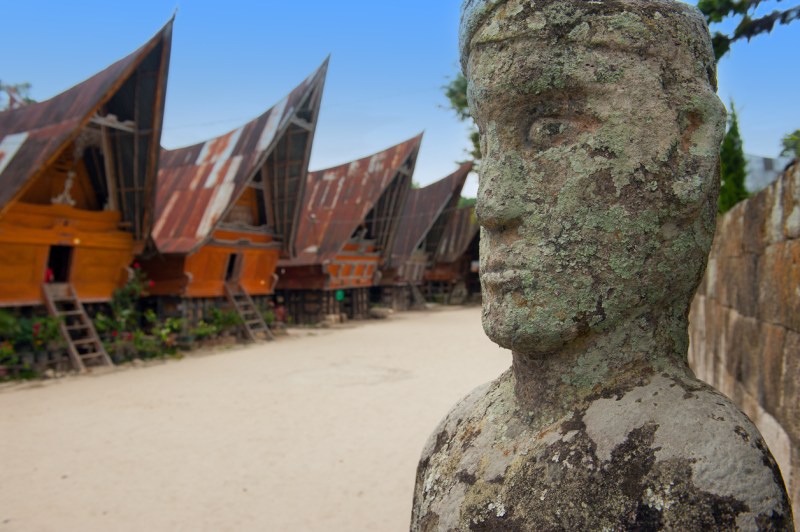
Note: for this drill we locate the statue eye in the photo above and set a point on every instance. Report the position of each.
(546, 132)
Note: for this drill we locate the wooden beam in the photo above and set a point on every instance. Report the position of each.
(108, 163)
(110, 121)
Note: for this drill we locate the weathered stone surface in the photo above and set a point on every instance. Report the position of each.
(789, 414)
(779, 284)
(770, 369)
(739, 283)
(606, 466)
(761, 370)
(732, 226)
(600, 130)
(744, 362)
(753, 239)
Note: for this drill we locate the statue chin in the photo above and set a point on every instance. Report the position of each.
(513, 329)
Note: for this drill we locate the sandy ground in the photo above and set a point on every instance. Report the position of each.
(319, 431)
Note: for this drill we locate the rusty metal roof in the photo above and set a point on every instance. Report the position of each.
(424, 208)
(198, 183)
(31, 137)
(458, 235)
(337, 200)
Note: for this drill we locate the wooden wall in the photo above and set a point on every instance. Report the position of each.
(202, 273)
(101, 252)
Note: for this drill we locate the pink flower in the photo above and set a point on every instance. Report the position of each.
(136, 266)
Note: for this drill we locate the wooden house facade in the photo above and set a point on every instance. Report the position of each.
(453, 274)
(77, 190)
(227, 210)
(423, 222)
(346, 231)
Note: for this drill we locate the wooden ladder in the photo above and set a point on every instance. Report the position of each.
(252, 321)
(83, 344)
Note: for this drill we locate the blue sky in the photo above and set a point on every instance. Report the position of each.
(389, 60)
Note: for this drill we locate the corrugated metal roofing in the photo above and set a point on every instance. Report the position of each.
(459, 233)
(338, 199)
(423, 208)
(197, 184)
(33, 135)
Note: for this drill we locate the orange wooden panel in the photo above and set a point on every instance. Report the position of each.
(258, 269)
(167, 273)
(22, 268)
(302, 278)
(95, 273)
(442, 272)
(48, 224)
(100, 250)
(245, 210)
(52, 181)
(207, 269)
(357, 258)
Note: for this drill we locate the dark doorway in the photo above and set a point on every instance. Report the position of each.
(58, 264)
(232, 270)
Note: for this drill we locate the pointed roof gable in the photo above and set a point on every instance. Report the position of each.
(197, 184)
(458, 235)
(32, 136)
(337, 200)
(424, 208)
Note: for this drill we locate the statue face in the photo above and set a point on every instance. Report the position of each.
(598, 184)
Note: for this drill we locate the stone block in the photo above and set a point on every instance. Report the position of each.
(753, 230)
(779, 284)
(728, 239)
(794, 484)
(772, 353)
(743, 351)
(789, 414)
(736, 283)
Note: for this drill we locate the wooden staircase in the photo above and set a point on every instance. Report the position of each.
(84, 346)
(253, 323)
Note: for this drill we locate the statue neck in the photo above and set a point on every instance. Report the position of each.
(549, 386)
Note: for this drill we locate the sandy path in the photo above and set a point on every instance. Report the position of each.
(321, 432)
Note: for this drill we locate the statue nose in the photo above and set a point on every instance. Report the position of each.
(499, 216)
(499, 206)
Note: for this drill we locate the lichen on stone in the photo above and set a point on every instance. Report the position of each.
(600, 129)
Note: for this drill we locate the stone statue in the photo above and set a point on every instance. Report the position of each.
(600, 129)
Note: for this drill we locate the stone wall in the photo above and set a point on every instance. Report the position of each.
(745, 320)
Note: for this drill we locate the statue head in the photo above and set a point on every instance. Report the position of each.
(600, 131)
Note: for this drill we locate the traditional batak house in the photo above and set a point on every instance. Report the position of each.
(346, 230)
(227, 210)
(426, 216)
(453, 277)
(77, 184)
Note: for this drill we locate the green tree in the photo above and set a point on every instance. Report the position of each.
(733, 166)
(750, 23)
(466, 202)
(17, 95)
(791, 144)
(456, 92)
